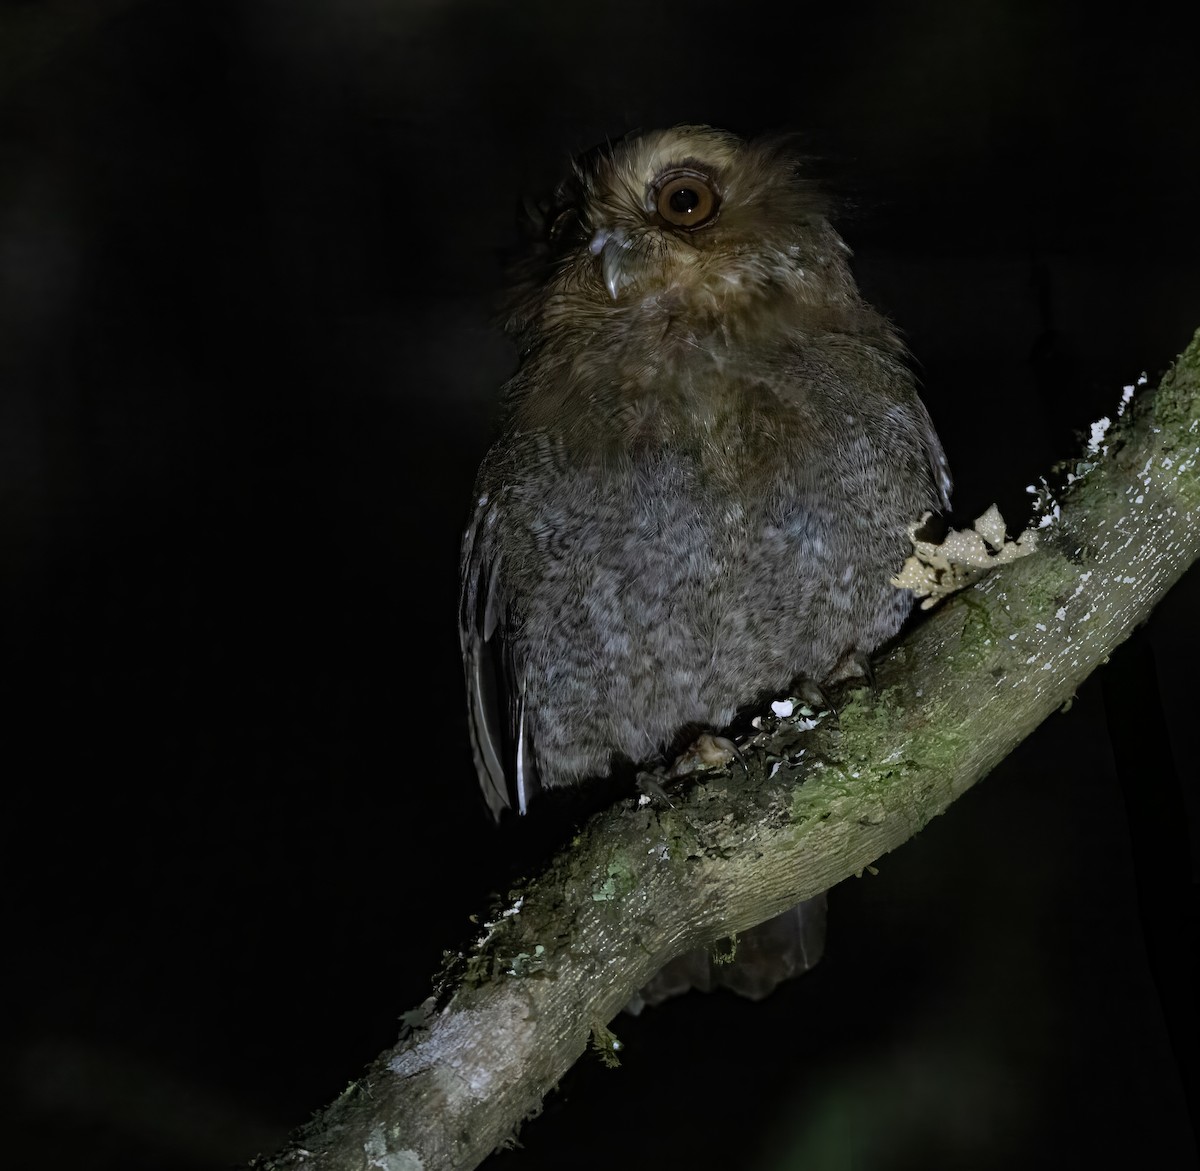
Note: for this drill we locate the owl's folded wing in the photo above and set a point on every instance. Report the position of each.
(496, 709)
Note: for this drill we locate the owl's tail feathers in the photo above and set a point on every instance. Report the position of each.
(762, 959)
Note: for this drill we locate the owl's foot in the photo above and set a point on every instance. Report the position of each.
(651, 791)
(853, 670)
(704, 753)
(810, 693)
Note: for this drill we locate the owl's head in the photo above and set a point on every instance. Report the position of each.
(686, 219)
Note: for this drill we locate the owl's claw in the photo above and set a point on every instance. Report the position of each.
(704, 753)
(652, 791)
(854, 669)
(809, 692)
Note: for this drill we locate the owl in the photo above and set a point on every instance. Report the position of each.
(708, 461)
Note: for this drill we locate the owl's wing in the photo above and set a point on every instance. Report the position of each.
(939, 467)
(870, 380)
(903, 426)
(496, 710)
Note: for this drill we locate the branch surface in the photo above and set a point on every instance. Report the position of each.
(643, 882)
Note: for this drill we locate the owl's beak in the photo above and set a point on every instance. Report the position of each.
(610, 245)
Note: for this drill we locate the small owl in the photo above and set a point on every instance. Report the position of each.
(708, 459)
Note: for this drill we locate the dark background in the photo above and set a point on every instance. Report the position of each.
(248, 253)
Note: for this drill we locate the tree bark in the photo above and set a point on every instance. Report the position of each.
(645, 881)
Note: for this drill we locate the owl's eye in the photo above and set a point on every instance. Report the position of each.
(687, 201)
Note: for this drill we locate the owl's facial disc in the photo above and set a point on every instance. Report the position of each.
(678, 203)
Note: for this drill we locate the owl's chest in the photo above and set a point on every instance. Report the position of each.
(662, 538)
(657, 589)
(651, 588)
(742, 415)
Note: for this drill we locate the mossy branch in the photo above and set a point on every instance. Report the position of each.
(642, 883)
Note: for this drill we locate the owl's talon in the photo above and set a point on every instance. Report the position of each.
(707, 752)
(651, 790)
(854, 669)
(809, 692)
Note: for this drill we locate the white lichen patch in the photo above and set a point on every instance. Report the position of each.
(525, 963)
(1096, 440)
(1045, 506)
(377, 1154)
(1127, 393)
(936, 570)
(468, 1052)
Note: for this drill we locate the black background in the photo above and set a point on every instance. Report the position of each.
(248, 254)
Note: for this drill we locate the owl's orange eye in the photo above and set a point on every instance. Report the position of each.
(687, 201)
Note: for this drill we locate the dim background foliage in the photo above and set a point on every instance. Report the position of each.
(248, 253)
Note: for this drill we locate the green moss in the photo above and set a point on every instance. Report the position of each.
(606, 1045)
(864, 780)
(824, 792)
(977, 638)
(619, 880)
(681, 838)
(352, 1091)
(1176, 403)
(528, 963)
(1037, 596)
(940, 747)
(477, 969)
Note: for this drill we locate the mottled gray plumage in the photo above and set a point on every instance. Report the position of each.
(707, 462)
